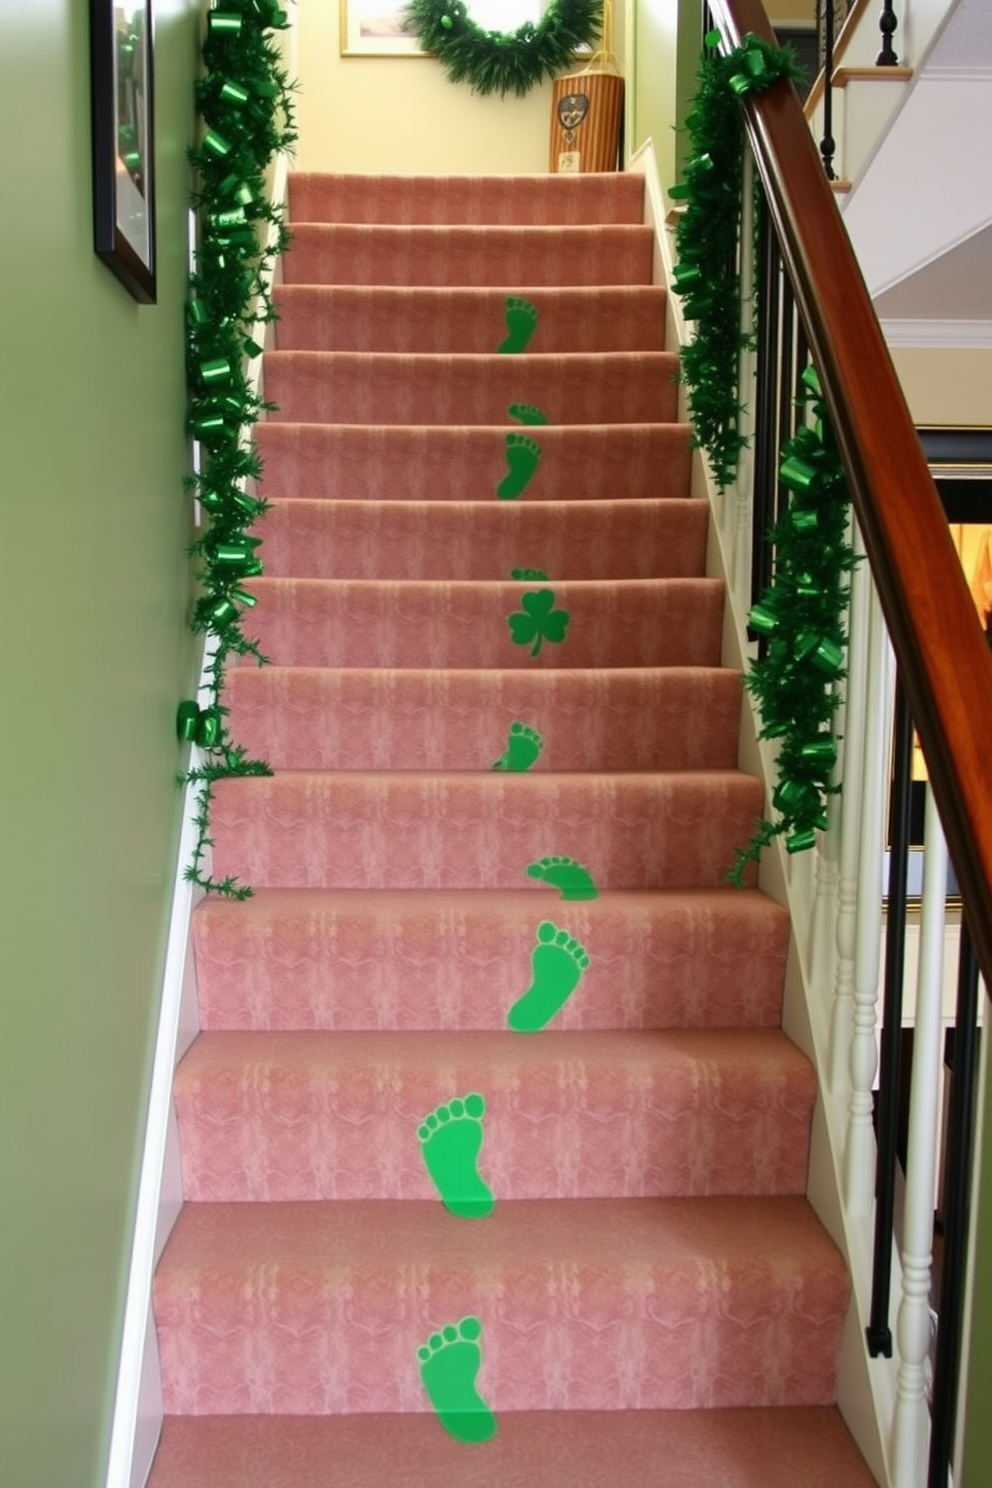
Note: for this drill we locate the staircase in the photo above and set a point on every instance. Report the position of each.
(494, 1154)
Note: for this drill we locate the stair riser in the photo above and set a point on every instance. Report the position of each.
(373, 318)
(412, 962)
(318, 719)
(395, 463)
(481, 831)
(558, 1337)
(504, 257)
(604, 198)
(323, 387)
(339, 623)
(316, 1125)
(483, 540)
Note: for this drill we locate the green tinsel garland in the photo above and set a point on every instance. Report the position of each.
(802, 612)
(244, 99)
(706, 236)
(501, 61)
(802, 615)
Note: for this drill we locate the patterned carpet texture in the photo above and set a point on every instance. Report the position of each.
(494, 1152)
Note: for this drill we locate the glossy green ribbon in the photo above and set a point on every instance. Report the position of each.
(828, 658)
(797, 474)
(234, 94)
(187, 716)
(216, 144)
(761, 619)
(820, 752)
(215, 371)
(797, 842)
(208, 728)
(224, 22)
(687, 277)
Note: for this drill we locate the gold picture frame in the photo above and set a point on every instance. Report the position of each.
(374, 28)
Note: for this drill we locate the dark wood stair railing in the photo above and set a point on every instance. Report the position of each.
(944, 661)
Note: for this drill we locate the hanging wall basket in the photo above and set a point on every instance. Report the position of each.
(587, 111)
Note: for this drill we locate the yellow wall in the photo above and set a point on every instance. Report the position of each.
(401, 115)
(95, 655)
(946, 387)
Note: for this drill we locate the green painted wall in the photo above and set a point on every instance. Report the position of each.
(93, 593)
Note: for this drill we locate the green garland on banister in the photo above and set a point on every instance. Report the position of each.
(802, 613)
(802, 616)
(706, 237)
(245, 103)
(503, 61)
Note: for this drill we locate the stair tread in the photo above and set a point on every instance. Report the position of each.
(475, 199)
(406, 958)
(791, 1447)
(401, 462)
(320, 1307)
(465, 388)
(302, 1115)
(777, 1236)
(434, 318)
(444, 253)
(670, 1054)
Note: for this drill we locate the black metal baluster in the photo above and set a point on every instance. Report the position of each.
(765, 393)
(878, 1331)
(787, 379)
(827, 146)
(958, 1153)
(887, 24)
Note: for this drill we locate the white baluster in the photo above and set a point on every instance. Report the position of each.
(842, 1013)
(910, 1426)
(859, 1156)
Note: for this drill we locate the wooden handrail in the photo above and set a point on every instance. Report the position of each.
(944, 661)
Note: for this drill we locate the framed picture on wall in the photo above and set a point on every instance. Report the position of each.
(121, 74)
(374, 28)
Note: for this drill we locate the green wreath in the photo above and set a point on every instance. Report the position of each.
(503, 61)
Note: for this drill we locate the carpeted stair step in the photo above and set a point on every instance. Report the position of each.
(607, 197)
(450, 959)
(786, 1448)
(318, 718)
(370, 462)
(592, 1304)
(406, 623)
(407, 831)
(347, 387)
(344, 253)
(274, 1117)
(455, 319)
(483, 539)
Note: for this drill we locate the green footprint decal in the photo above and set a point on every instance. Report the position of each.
(523, 455)
(451, 1140)
(558, 964)
(574, 881)
(537, 620)
(528, 575)
(521, 323)
(522, 748)
(449, 1363)
(526, 413)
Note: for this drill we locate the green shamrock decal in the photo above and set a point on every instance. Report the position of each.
(537, 620)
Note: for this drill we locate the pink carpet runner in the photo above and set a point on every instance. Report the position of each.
(496, 655)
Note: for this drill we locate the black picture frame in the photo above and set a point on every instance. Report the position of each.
(123, 130)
